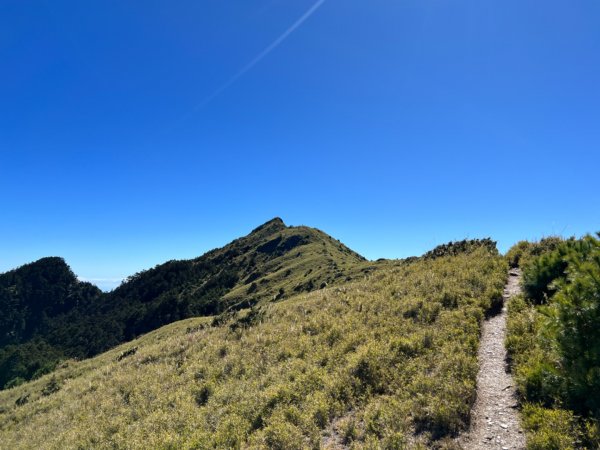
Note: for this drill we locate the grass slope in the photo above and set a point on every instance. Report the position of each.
(387, 361)
(302, 259)
(50, 316)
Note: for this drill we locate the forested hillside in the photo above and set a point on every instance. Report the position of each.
(33, 299)
(50, 316)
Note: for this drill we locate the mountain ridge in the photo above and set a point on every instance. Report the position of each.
(271, 263)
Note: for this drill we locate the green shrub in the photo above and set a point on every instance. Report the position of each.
(551, 429)
(575, 317)
(280, 434)
(520, 254)
(462, 247)
(495, 301)
(516, 252)
(522, 329)
(540, 274)
(202, 395)
(14, 383)
(591, 433)
(553, 343)
(51, 387)
(541, 382)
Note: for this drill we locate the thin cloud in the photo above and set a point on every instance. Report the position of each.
(105, 284)
(105, 280)
(276, 43)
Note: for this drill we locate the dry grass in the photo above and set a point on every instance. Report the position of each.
(385, 362)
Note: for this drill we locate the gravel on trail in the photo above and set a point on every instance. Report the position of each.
(495, 415)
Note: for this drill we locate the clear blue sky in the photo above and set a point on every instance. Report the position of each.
(391, 125)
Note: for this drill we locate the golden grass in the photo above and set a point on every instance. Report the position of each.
(385, 362)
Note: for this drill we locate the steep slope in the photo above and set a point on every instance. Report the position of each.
(272, 262)
(53, 316)
(388, 361)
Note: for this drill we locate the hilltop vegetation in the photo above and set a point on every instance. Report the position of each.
(461, 247)
(554, 341)
(386, 361)
(32, 298)
(51, 316)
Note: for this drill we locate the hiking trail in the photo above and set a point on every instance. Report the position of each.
(495, 417)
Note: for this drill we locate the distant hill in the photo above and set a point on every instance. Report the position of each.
(32, 295)
(50, 315)
(33, 298)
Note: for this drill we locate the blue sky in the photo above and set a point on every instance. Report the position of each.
(391, 125)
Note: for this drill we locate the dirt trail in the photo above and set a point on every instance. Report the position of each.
(495, 418)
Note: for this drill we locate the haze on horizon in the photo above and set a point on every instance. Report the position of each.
(390, 126)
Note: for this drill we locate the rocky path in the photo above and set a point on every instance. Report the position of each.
(495, 420)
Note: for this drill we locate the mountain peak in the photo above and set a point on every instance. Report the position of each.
(274, 224)
(50, 266)
(50, 261)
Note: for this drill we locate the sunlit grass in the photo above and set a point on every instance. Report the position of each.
(385, 362)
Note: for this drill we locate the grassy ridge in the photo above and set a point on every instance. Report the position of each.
(49, 316)
(386, 362)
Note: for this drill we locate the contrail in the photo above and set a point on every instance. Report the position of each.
(262, 54)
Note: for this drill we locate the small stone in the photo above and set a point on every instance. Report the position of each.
(503, 425)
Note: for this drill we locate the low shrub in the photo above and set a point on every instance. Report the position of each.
(550, 429)
(553, 344)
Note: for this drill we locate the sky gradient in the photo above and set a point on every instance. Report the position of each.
(136, 132)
